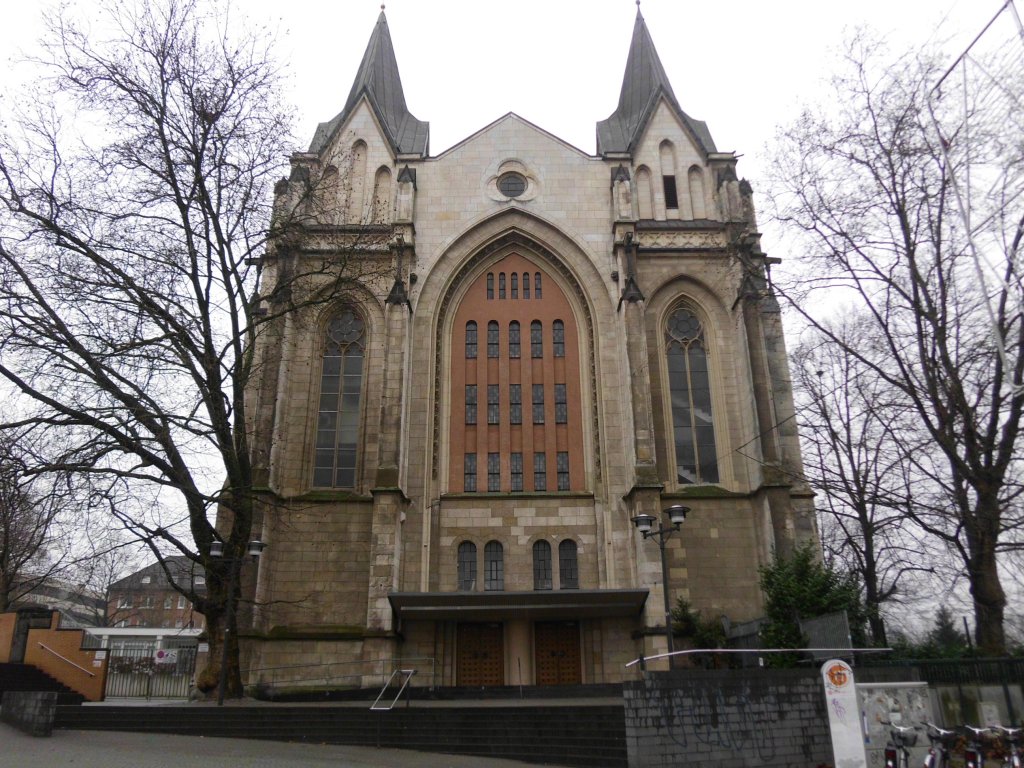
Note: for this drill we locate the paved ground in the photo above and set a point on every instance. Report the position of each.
(108, 749)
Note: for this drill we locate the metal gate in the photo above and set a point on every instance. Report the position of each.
(164, 673)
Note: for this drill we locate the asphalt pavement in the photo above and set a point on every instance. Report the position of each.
(116, 749)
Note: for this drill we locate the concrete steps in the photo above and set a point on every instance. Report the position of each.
(25, 677)
(588, 735)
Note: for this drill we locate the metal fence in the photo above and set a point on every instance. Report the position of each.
(152, 674)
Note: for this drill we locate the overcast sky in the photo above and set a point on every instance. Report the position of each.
(743, 66)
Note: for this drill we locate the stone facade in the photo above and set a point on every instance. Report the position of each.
(430, 492)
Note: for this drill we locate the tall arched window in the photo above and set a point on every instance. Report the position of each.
(690, 391)
(494, 567)
(541, 565)
(470, 340)
(492, 338)
(568, 569)
(513, 339)
(558, 338)
(341, 385)
(536, 339)
(467, 566)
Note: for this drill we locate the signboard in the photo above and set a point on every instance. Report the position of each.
(843, 715)
(166, 656)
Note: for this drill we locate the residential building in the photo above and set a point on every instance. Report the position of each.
(147, 599)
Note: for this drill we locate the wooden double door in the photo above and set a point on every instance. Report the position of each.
(557, 652)
(480, 653)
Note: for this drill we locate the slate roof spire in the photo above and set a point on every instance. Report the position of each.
(643, 84)
(378, 79)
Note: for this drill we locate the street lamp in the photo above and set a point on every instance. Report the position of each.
(645, 524)
(253, 550)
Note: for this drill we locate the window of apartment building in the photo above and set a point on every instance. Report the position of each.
(568, 569)
(541, 565)
(494, 566)
(168, 603)
(125, 601)
(181, 602)
(341, 385)
(467, 566)
(517, 471)
(562, 470)
(147, 601)
(471, 403)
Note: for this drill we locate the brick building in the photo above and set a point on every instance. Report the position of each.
(534, 346)
(147, 599)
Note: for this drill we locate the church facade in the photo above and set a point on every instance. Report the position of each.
(520, 347)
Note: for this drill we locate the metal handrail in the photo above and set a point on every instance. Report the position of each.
(379, 664)
(408, 676)
(64, 658)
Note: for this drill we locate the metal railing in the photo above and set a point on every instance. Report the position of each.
(339, 675)
(150, 673)
(405, 675)
(65, 659)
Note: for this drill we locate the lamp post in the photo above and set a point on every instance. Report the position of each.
(235, 564)
(645, 524)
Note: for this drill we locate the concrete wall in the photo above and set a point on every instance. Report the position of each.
(81, 670)
(29, 711)
(735, 718)
(7, 622)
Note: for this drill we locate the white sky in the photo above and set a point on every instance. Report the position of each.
(743, 66)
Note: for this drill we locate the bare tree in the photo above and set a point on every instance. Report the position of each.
(136, 190)
(856, 437)
(32, 542)
(868, 196)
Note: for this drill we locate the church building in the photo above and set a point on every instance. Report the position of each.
(504, 354)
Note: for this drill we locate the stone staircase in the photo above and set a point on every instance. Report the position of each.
(582, 733)
(25, 677)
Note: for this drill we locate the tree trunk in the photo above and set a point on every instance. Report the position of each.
(989, 601)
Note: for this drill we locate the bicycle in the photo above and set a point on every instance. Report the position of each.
(1012, 758)
(897, 754)
(974, 756)
(941, 743)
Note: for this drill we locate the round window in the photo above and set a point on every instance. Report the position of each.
(511, 184)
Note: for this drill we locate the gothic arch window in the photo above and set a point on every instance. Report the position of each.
(696, 458)
(668, 175)
(515, 285)
(381, 211)
(494, 567)
(695, 178)
(515, 421)
(643, 193)
(526, 285)
(568, 567)
(341, 387)
(354, 214)
(467, 566)
(541, 565)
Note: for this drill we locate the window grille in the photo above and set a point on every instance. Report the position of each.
(568, 569)
(541, 565)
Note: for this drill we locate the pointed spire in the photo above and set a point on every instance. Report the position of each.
(643, 83)
(378, 79)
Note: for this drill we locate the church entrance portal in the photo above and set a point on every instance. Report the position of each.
(481, 654)
(557, 652)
